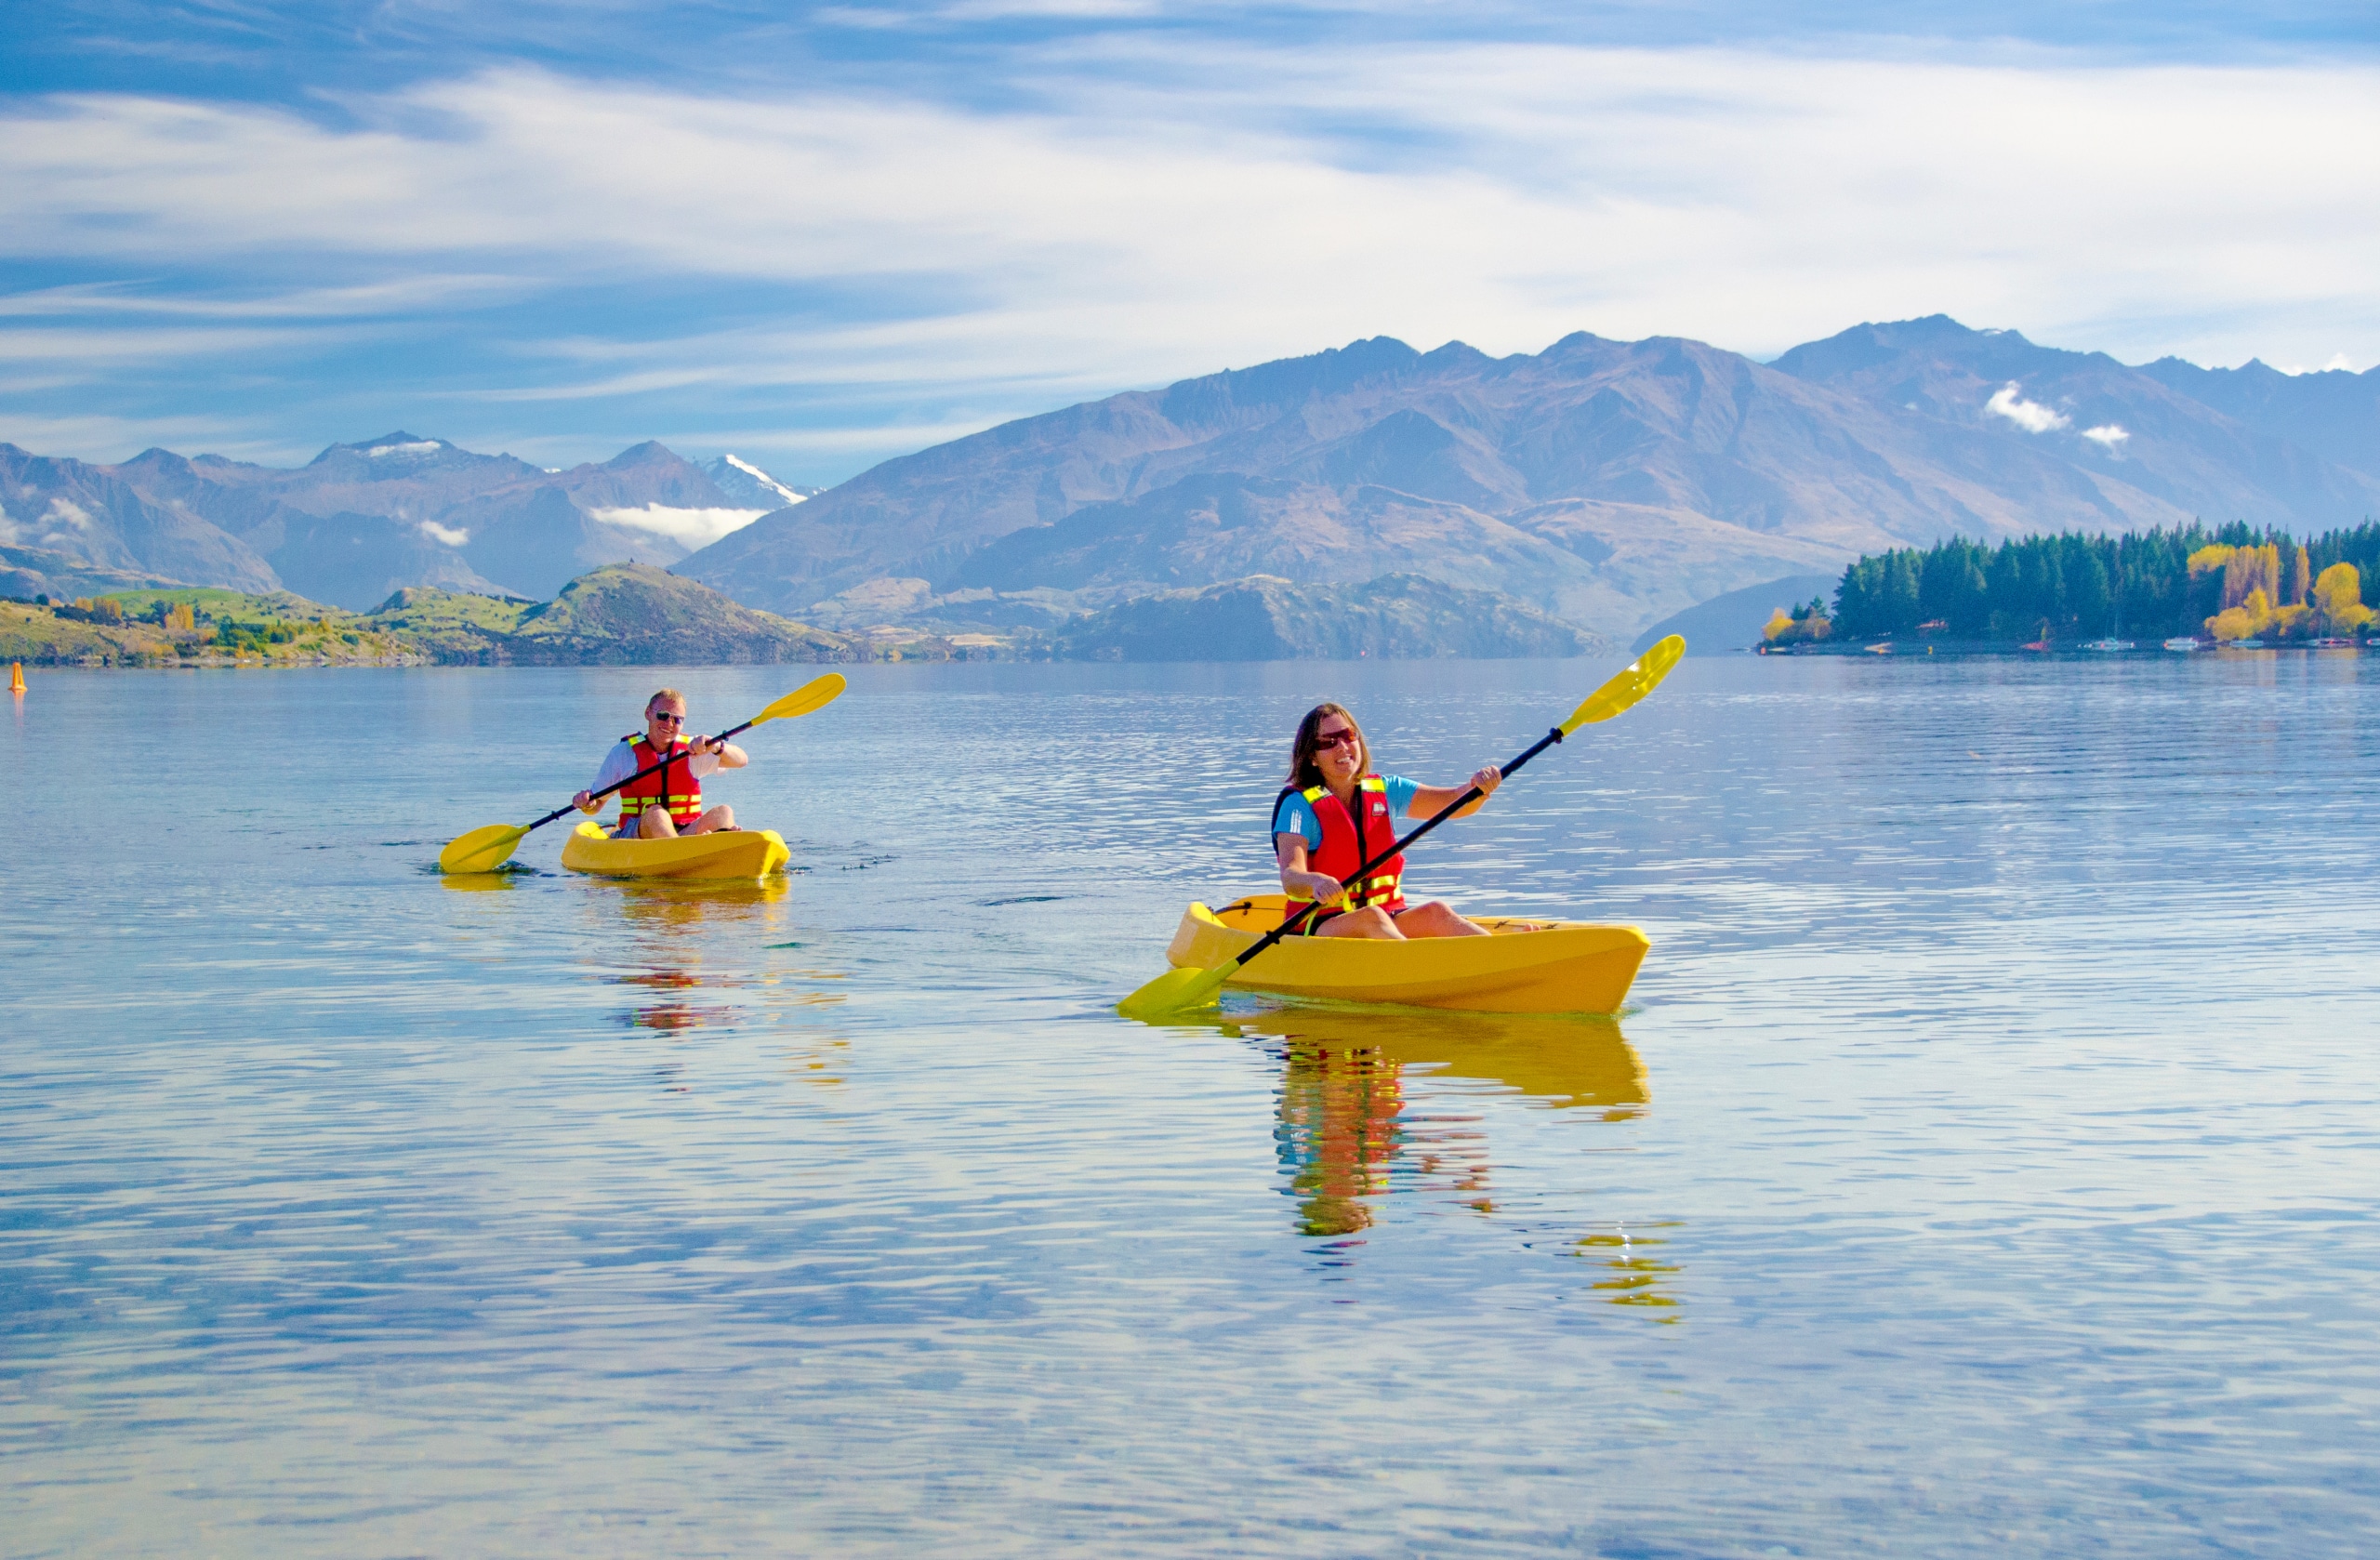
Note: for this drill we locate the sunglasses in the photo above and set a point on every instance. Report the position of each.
(1334, 739)
(668, 720)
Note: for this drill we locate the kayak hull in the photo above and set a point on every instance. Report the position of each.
(739, 854)
(1526, 967)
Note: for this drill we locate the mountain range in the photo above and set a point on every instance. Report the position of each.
(1609, 483)
(363, 520)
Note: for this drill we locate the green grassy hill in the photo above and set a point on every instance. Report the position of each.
(622, 615)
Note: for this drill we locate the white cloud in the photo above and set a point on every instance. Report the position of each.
(693, 527)
(65, 511)
(2107, 435)
(451, 535)
(2008, 400)
(1630, 191)
(1182, 209)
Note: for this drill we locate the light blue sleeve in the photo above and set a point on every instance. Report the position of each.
(1400, 793)
(1294, 817)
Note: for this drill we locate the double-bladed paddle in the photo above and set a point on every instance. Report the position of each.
(484, 850)
(1178, 990)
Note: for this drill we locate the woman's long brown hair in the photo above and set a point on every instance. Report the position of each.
(1304, 774)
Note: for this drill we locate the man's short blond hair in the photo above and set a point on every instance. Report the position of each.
(666, 696)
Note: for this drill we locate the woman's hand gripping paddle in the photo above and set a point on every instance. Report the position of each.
(1180, 990)
(484, 850)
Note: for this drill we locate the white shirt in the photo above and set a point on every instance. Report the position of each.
(621, 763)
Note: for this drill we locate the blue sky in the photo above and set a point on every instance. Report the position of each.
(822, 235)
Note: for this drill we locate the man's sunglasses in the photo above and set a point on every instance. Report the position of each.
(668, 720)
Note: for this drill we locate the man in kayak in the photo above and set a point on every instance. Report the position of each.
(670, 801)
(1335, 812)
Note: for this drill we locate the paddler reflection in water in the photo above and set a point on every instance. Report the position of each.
(670, 801)
(1335, 812)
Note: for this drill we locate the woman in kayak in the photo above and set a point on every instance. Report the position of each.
(668, 801)
(1335, 812)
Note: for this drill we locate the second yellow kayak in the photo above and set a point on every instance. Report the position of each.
(1526, 967)
(731, 854)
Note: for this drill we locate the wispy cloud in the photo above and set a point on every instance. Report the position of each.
(396, 295)
(1143, 208)
(2107, 436)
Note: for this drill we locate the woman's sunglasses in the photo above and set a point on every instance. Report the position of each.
(1334, 739)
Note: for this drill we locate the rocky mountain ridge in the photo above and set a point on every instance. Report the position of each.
(1608, 482)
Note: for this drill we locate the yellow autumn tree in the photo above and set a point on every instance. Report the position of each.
(2245, 621)
(2338, 597)
(1780, 623)
(2300, 577)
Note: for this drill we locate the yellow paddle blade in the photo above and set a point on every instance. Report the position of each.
(1176, 991)
(1634, 680)
(483, 850)
(817, 694)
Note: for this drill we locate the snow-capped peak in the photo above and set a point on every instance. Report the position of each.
(765, 480)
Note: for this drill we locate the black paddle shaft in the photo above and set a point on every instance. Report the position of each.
(650, 769)
(1443, 813)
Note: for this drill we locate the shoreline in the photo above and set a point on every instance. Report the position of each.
(2078, 649)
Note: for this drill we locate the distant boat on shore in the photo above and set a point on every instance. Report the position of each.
(2184, 642)
(2244, 644)
(2333, 643)
(2108, 645)
(2037, 645)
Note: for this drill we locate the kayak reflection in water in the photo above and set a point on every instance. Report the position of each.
(1335, 812)
(671, 801)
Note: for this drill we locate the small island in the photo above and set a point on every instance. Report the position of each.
(2236, 586)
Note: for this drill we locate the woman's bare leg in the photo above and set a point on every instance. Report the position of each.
(1438, 918)
(1369, 921)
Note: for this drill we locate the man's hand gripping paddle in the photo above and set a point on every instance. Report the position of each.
(1180, 990)
(484, 850)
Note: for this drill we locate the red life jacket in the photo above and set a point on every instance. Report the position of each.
(1344, 849)
(684, 797)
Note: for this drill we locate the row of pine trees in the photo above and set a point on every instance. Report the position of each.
(2234, 583)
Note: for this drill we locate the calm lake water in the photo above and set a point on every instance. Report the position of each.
(1987, 1164)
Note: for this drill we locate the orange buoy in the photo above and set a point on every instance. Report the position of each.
(16, 677)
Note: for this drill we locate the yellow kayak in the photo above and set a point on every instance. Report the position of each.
(1526, 967)
(734, 853)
